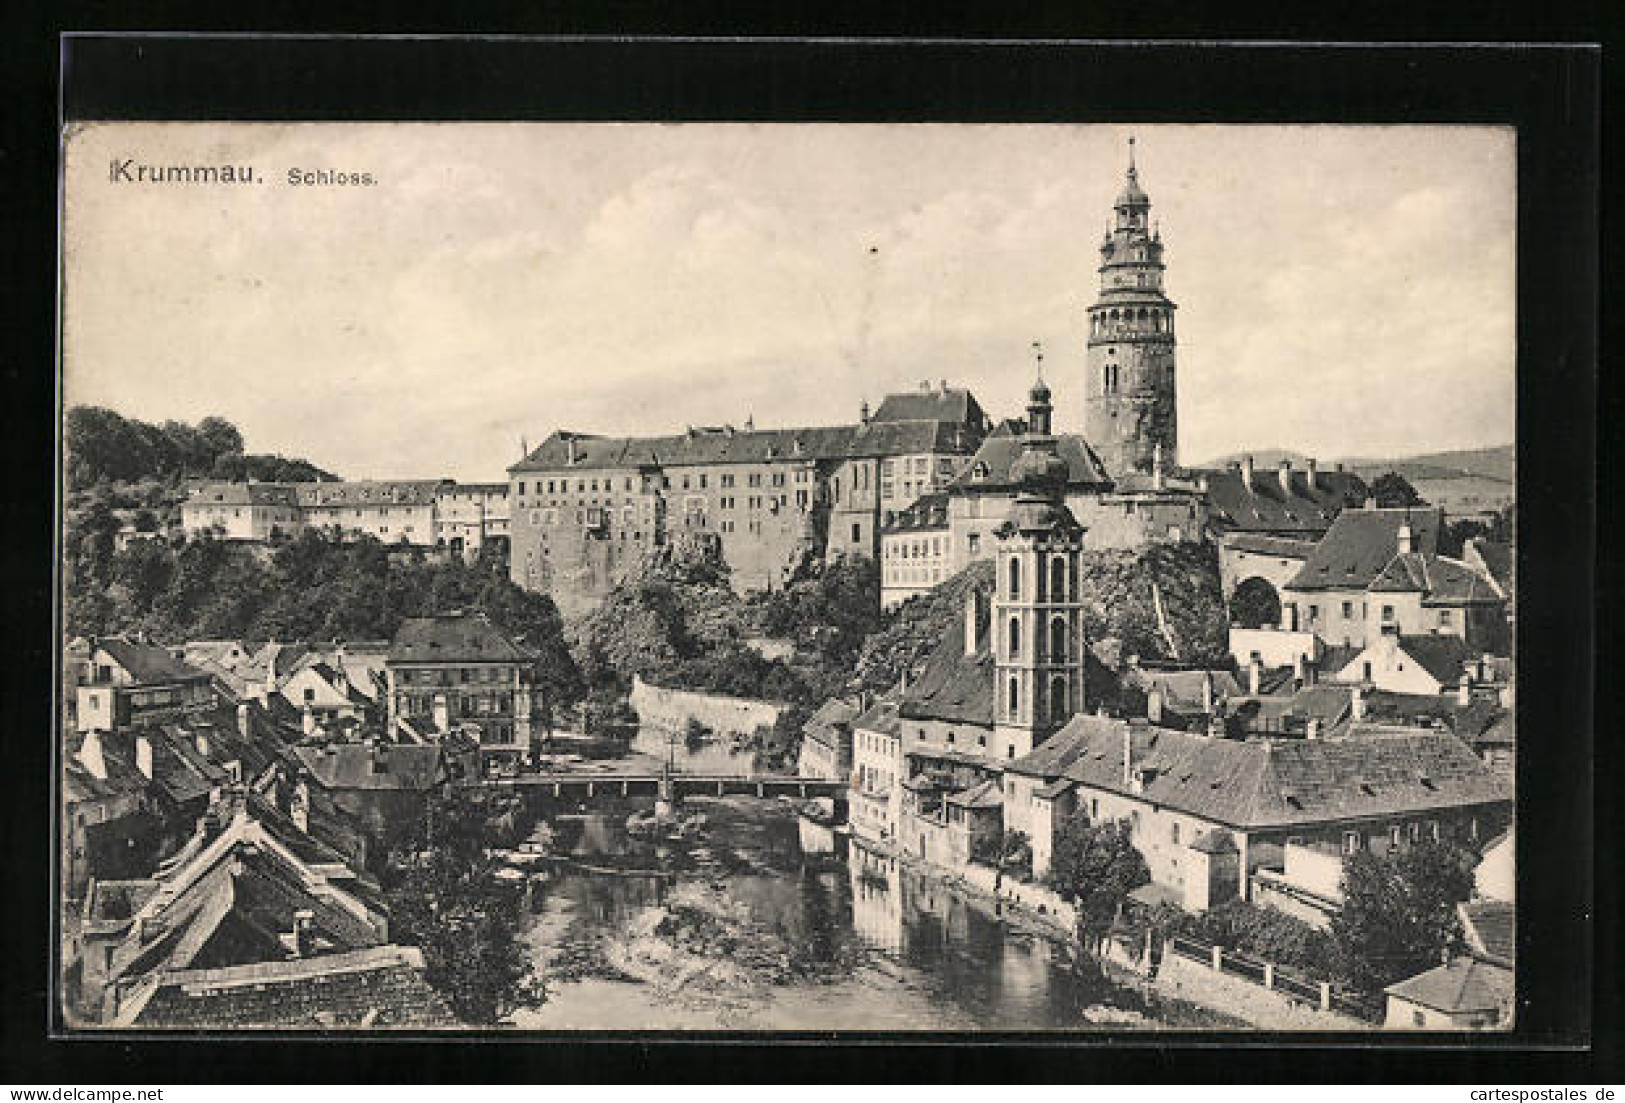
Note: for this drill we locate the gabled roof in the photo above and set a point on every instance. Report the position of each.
(1440, 581)
(953, 686)
(147, 663)
(454, 637)
(1490, 928)
(1442, 656)
(1360, 543)
(725, 444)
(831, 725)
(401, 492)
(949, 404)
(408, 767)
(1267, 507)
(1495, 558)
(1464, 985)
(989, 794)
(992, 468)
(378, 988)
(1260, 784)
(1281, 547)
(204, 492)
(881, 718)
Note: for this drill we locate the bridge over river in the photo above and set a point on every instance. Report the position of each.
(665, 785)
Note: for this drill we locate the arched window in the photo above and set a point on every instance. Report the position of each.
(1057, 578)
(1015, 578)
(1057, 640)
(1015, 637)
(1015, 697)
(1058, 703)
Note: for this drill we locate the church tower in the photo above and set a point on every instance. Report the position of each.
(1037, 622)
(1129, 380)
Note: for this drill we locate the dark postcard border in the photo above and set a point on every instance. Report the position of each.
(1550, 94)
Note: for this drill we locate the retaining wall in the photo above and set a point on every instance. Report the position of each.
(672, 709)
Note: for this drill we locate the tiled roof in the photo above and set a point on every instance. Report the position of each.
(1440, 581)
(454, 637)
(404, 766)
(728, 445)
(953, 686)
(1496, 557)
(409, 492)
(998, 455)
(831, 725)
(1463, 985)
(378, 987)
(1282, 547)
(950, 404)
(1266, 507)
(147, 663)
(989, 794)
(880, 719)
(929, 512)
(1360, 543)
(1491, 928)
(1442, 656)
(240, 494)
(1261, 784)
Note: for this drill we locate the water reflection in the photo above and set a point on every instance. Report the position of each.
(906, 951)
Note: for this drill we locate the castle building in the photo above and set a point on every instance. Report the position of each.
(585, 507)
(1130, 407)
(1038, 644)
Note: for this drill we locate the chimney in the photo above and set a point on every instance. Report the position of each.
(307, 721)
(1464, 692)
(1207, 693)
(200, 740)
(1158, 476)
(1300, 670)
(925, 386)
(970, 622)
(304, 922)
(442, 714)
(1284, 471)
(1128, 756)
(1255, 675)
(244, 728)
(863, 412)
(1407, 538)
(1247, 472)
(272, 650)
(1357, 702)
(942, 385)
(1312, 730)
(90, 755)
(1153, 705)
(299, 806)
(143, 756)
(1309, 472)
(570, 451)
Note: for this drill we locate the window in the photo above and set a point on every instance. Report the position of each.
(1351, 842)
(1348, 609)
(310, 695)
(1418, 1019)
(1444, 618)
(1387, 614)
(857, 534)
(1015, 579)
(1057, 640)
(1174, 832)
(1015, 637)
(1057, 579)
(974, 542)
(1015, 696)
(702, 482)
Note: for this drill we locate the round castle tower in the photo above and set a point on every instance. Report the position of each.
(1130, 407)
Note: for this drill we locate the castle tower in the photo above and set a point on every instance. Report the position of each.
(1129, 381)
(1037, 622)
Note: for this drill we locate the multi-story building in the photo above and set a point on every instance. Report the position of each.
(457, 671)
(424, 513)
(584, 506)
(131, 682)
(877, 764)
(916, 550)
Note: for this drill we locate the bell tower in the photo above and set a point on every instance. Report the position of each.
(1129, 380)
(1037, 622)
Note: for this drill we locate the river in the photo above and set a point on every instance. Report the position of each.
(737, 927)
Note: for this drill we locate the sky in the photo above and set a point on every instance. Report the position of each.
(1342, 291)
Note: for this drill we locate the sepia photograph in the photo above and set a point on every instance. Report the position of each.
(784, 577)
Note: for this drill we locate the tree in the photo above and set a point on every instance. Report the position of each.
(1095, 867)
(1255, 604)
(445, 900)
(1393, 491)
(1399, 911)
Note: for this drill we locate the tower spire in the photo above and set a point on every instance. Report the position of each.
(1132, 171)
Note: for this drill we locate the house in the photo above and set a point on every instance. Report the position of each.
(1466, 992)
(1419, 593)
(131, 681)
(1329, 597)
(1290, 809)
(379, 786)
(458, 668)
(876, 771)
(1430, 664)
(826, 741)
(322, 690)
(248, 887)
(915, 551)
(1296, 505)
(108, 827)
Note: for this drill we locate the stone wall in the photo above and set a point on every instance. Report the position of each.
(672, 709)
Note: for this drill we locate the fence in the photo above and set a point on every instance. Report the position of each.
(1284, 980)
